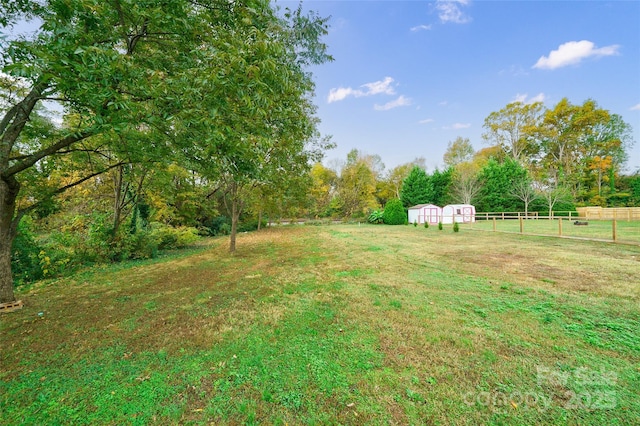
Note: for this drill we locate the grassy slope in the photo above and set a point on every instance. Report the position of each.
(344, 324)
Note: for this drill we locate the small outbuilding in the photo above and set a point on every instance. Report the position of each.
(425, 213)
(461, 213)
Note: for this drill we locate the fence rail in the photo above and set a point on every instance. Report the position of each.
(570, 226)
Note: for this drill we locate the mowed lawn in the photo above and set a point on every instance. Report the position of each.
(340, 324)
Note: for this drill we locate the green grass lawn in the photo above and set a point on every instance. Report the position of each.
(626, 231)
(336, 325)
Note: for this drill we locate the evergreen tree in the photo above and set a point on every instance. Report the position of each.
(499, 180)
(416, 188)
(440, 183)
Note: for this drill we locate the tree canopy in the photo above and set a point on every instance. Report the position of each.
(219, 87)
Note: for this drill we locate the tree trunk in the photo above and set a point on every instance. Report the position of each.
(235, 214)
(9, 189)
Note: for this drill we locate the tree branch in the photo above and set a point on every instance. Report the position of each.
(20, 213)
(37, 156)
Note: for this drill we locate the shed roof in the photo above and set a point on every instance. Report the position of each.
(419, 206)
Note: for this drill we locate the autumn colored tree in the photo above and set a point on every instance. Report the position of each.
(357, 186)
(513, 129)
(458, 151)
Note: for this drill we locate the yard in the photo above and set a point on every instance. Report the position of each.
(341, 324)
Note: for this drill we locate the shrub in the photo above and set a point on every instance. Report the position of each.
(426, 225)
(376, 216)
(220, 225)
(25, 264)
(394, 213)
(250, 225)
(415, 223)
(440, 226)
(456, 227)
(173, 238)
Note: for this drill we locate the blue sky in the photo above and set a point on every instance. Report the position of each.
(410, 76)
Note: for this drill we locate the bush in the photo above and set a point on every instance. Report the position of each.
(394, 213)
(25, 263)
(426, 225)
(250, 225)
(173, 238)
(456, 227)
(376, 216)
(440, 226)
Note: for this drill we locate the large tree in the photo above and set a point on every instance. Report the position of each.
(458, 151)
(357, 185)
(194, 81)
(513, 127)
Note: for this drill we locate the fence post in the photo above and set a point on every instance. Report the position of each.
(521, 224)
(569, 215)
(560, 227)
(494, 224)
(615, 230)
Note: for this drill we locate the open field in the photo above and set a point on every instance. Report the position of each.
(335, 325)
(627, 231)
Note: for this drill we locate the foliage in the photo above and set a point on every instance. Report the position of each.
(172, 238)
(357, 185)
(416, 188)
(323, 189)
(394, 213)
(499, 179)
(456, 227)
(219, 89)
(376, 216)
(458, 151)
(440, 183)
(440, 226)
(513, 129)
(25, 261)
(391, 185)
(466, 182)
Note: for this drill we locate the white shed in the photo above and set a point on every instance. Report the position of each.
(461, 213)
(422, 213)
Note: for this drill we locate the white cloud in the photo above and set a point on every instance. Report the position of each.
(377, 87)
(450, 11)
(421, 28)
(524, 98)
(635, 108)
(340, 93)
(401, 101)
(573, 52)
(457, 126)
(426, 121)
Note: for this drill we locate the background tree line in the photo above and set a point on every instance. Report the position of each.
(535, 159)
